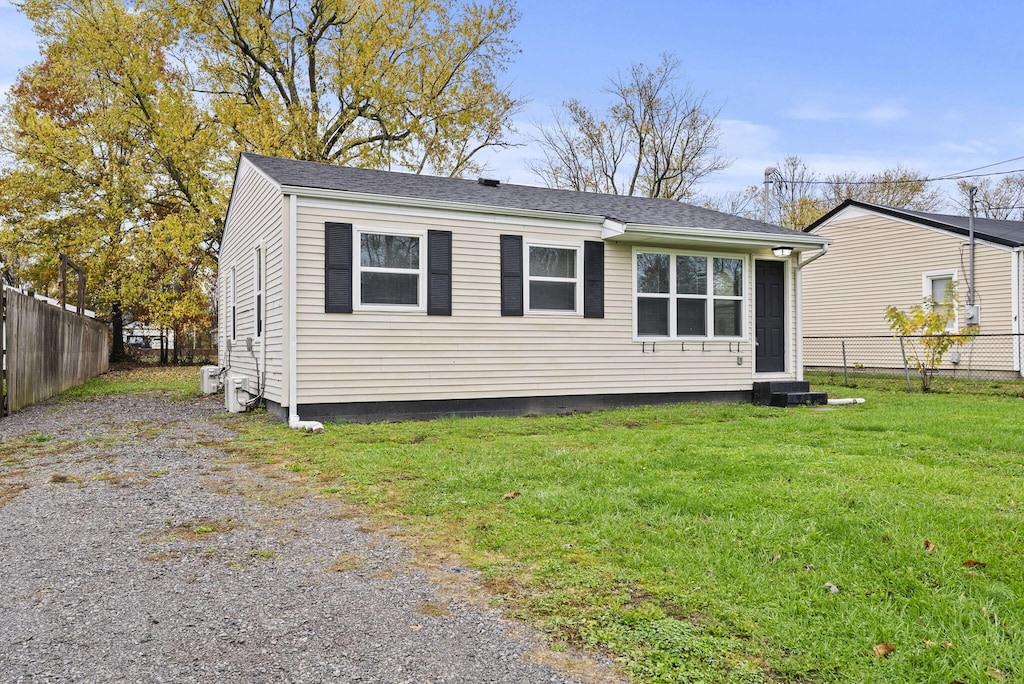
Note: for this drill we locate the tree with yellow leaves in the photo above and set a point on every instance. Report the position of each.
(372, 83)
(121, 140)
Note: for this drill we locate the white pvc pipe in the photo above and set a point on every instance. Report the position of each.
(844, 402)
(307, 425)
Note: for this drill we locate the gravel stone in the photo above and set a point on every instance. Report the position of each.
(135, 549)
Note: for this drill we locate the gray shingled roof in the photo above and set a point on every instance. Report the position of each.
(1010, 233)
(639, 210)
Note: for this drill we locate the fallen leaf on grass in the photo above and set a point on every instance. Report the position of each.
(997, 674)
(833, 589)
(971, 563)
(928, 546)
(946, 644)
(882, 650)
(777, 556)
(511, 495)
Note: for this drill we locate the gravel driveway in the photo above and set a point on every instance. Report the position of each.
(135, 549)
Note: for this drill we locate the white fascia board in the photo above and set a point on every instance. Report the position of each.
(860, 212)
(434, 209)
(243, 164)
(637, 233)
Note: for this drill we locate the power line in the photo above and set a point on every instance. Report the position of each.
(987, 166)
(961, 175)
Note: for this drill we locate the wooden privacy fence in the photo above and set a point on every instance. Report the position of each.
(47, 349)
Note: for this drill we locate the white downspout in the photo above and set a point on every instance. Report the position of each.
(293, 364)
(1017, 306)
(800, 310)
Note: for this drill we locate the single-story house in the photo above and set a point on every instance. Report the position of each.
(883, 257)
(359, 294)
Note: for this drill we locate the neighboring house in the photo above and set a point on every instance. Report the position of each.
(360, 294)
(882, 256)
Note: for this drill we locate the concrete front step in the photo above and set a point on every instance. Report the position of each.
(798, 398)
(786, 393)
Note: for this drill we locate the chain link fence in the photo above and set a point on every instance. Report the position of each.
(984, 357)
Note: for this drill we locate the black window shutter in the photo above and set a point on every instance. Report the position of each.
(593, 279)
(338, 267)
(439, 272)
(511, 275)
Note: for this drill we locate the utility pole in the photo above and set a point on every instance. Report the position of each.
(769, 174)
(972, 193)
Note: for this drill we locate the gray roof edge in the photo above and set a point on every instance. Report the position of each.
(620, 208)
(982, 228)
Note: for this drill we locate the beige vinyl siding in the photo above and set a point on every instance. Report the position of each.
(877, 261)
(477, 353)
(257, 214)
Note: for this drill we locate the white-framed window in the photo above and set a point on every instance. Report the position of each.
(257, 279)
(390, 270)
(553, 282)
(232, 305)
(688, 295)
(940, 286)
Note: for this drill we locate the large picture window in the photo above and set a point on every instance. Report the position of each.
(553, 278)
(390, 269)
(688, 295)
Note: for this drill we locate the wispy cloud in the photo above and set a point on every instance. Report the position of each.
(885, 114)
(746, 137)
(877, 114)
(815, 112)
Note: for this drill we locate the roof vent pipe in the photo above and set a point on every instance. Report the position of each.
(489, 182)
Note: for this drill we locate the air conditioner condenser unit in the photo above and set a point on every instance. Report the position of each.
(236, 393)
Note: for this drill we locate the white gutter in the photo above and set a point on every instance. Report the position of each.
(823, 252)
(800, 309)
(797, 240)
(1016, 308)
(293, 364)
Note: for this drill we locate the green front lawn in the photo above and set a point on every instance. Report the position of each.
(701, 542)
(725, 543)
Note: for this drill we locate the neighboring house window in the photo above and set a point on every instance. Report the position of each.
(553, 281)
(688, 295)
(941, 287)
(389, 270)
(232, 308)
(258, 298)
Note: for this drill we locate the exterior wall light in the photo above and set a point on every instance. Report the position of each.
(782, 252)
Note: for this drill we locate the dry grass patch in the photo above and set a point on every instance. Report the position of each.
(433, 609)
(162, 556)
(347, 562)
(63, 478)
(345, 512)
(9, 491)
(197, 530)
(265, 555)
(125, 479)
(17, 451)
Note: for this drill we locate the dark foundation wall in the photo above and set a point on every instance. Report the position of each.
(375, 412)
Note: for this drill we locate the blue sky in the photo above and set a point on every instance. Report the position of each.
(845, 85)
